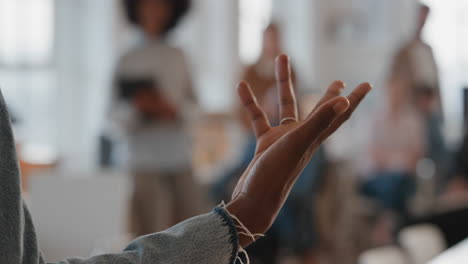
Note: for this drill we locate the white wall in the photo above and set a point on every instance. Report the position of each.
(447, 32)
(75, 215)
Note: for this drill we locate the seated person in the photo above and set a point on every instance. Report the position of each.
(397, 143)
(282, 152)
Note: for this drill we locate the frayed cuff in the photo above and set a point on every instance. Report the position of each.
(234, 239)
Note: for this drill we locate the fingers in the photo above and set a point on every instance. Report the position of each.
(333, 91)
(287, 98)
(354, 99)
(322, 119)
(258, 118)
(357, 95)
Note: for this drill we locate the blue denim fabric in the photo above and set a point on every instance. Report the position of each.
(436, 148)
(220, 190)
(391, 189)
(205, 239)
(295, 224)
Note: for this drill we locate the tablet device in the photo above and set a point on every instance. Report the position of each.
(128, 88)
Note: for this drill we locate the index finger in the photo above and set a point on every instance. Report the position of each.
(333, 91)
(320, 120)
(355, 98)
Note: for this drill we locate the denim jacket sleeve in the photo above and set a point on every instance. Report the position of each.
(205, 239)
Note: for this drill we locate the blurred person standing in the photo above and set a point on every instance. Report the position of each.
(261, 74)
(415, 61)
(153, 104)
(293, 232)
(415, 64)
(396, 146)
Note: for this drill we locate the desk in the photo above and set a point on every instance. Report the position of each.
(457, 254)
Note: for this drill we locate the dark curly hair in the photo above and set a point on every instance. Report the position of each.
(179, 9)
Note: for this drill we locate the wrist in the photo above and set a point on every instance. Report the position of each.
(248, 215)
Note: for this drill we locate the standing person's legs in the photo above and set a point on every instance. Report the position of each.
(186, 194)
(151, 203)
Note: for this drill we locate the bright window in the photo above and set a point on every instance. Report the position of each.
(27, 74)
(447, 33)
(26, 32)
(254, 17)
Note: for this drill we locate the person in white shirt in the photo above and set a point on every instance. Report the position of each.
(153, 105)
(416, 63)
(397, 142)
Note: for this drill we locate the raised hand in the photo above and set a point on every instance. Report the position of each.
(283, 151)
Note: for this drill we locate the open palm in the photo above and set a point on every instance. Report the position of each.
(283, 151)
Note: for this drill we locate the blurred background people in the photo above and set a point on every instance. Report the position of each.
(261, 77)
(417, 63)
(294, 231)
(415, 60)
(261, 74)
(396, 146)
(153, 105)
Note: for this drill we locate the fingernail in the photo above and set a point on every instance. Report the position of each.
(283, 57)
(341, 107)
